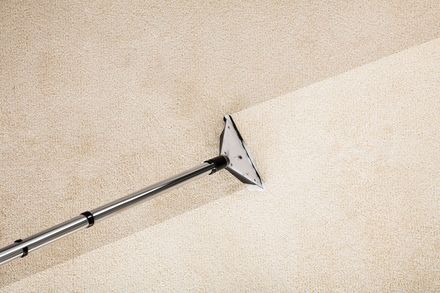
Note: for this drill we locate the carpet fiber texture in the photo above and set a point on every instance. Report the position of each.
(101, 98)
(351, 169)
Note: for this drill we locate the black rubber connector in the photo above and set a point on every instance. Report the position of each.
(219, 162)
(90, 218)
(25, 249)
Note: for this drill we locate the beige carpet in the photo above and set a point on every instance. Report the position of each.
(100, 99)
(351, 168)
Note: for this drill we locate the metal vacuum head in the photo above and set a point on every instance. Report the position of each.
(240, 162)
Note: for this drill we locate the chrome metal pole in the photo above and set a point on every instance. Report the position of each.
(20, 248)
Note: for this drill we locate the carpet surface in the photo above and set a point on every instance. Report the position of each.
(101, 98)
(351, 204)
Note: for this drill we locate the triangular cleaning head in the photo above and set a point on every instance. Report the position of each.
(240, 163)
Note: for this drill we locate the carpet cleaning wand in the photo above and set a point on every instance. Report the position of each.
(233, 157)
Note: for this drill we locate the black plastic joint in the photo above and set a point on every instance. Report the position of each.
(25, 249)
(90, 218)
(219, 162)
